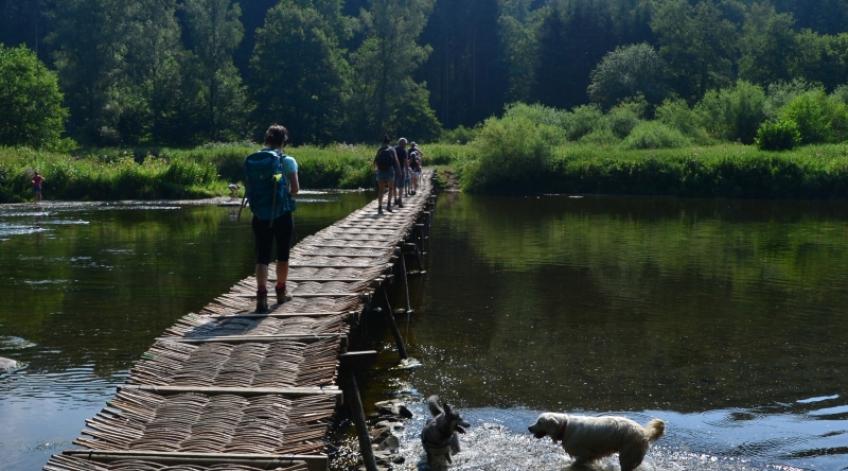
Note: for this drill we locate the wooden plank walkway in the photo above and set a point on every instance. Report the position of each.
(227, 389)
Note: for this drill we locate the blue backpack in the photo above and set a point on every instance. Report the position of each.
(269, 197)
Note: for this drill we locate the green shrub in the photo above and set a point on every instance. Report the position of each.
(654, 135)
(459, 135)
(820, 118)
(780, 94)
(513, 154)
(778, 135)
(539, 114)
(582, 120)
(733, 114)
(675, 113)
(602, 137)
(840, 94)
(622, 119)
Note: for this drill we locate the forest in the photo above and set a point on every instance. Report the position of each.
(186, 72)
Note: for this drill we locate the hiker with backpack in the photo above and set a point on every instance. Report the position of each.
(270, 185)
(414, 166)
(385, 165)
(402, 171)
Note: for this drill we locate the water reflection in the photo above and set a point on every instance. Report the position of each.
(79, 306)
(724, 318)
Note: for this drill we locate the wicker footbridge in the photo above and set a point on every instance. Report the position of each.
(227, 389)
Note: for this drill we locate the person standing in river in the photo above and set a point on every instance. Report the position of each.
(385, 163)
(270, 185)
(402, 171)
(37, 186)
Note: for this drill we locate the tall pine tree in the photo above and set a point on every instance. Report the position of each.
(572, 40)
(466, 73)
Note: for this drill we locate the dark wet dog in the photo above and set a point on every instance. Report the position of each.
(440, 435)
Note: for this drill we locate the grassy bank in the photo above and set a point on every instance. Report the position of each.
(500, 163)
(726, 170)
(112, 174)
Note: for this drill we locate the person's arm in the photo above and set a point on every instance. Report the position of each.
(294, 184)
(291, 174)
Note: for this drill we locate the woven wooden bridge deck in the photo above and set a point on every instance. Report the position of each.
(226, 389)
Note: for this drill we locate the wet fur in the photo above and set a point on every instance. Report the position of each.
(440, 435)
(587, 439)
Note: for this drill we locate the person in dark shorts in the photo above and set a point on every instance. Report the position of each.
(401, 171)
(385, 163)
(270, 184)
(37, 186)
(415, 156)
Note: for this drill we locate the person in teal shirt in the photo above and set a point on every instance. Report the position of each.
(271, 182)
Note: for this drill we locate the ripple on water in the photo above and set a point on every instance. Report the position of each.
(24, 214)
(45, 283)
(8, 230)
(15, 343)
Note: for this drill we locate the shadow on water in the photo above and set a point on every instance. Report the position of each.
(724, 318)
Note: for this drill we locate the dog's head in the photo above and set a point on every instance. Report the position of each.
(452, 420)
(551, 425)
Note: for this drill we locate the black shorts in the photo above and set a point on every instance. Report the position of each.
(264, 235)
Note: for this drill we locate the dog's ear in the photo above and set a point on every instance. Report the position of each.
(447, 408)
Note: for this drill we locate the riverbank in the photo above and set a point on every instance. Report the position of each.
(162, 173)
(723, 170)
(507, 164)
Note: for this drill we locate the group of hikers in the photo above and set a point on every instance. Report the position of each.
(271, 183)
(398, 171)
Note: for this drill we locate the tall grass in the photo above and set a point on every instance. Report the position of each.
(109, 174)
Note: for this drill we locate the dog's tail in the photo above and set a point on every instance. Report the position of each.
(434, 405)
(655, 429)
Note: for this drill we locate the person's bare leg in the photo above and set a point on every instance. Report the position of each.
(261, 277)
(381, 187)
(282, 277)
(282, 272)
(261, 287)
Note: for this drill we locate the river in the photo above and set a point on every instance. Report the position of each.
(725, 318)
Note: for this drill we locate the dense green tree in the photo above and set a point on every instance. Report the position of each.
(768, 45)
(121, 77)
(300, 76)
(31, 101)
(466, 73)
(220, 98)
(734, 113)
(519, 26)
(699, 43)
(628, 72)
(151, 72)
(386, 94)
(88, 61)
(822, 58)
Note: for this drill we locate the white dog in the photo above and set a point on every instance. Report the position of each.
(589, 438)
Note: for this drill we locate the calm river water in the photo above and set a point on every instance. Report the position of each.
(727, 319)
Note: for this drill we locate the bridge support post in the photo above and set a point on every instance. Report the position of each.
(354, 401)
(390, 318)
